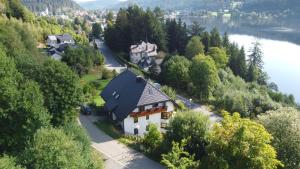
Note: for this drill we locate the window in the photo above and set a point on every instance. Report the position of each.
(163, 125)
(135, 119)
(117, 96)
(147, 127)
(142, 108)
(136, 131)
(114, 93)
(155, 105)
(165, 115)
(147, 117)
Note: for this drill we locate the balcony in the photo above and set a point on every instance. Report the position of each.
(149, 111)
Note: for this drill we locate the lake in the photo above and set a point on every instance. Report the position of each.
(281, 61)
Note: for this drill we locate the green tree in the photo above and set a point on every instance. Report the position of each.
(62, 91)
(219, 55)
(109, 17)
(179, 158)
(82, 59)
(255, 62)
(240, 143)
(7, 162)
(225, 41)
(194, 47)
(284, 125)
(52, 148)
(215, 38)
(195, 29)
(177, 36)
(205, 38)
(204, 75)
(169, 91)
(21, 108)
(153, 138)
(189, 125)
(96, 30)
(176, 71)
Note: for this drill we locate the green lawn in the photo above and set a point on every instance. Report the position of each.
(94, 78)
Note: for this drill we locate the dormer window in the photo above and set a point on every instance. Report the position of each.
(117, 96)
(114, 93)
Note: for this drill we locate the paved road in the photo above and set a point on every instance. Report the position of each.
(200, 108)
(111, 62)
(115, 154)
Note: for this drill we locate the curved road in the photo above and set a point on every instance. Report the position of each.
(116, 155)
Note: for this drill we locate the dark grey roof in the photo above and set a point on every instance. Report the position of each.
(64, 37)
(131, 92)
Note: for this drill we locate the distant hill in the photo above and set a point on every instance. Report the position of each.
(272, 6)
(99, 4)
(247, 5)
(164, 4)
(54, 6)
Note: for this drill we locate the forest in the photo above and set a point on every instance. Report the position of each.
(39, 96)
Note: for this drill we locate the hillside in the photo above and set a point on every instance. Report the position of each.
(54, 6)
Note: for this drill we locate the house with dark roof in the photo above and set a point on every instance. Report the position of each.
(134, 103)
(143, 54)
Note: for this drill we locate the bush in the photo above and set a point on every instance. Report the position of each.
(189, 125)
(284, 125)
(108, 74)
(152, 139)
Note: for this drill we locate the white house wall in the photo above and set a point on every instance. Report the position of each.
(170, 106)
(142, 123)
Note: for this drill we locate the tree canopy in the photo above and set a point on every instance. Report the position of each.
(240, 143)
(194, 47)
(204, 75)
(61, 89)
(21, 109)
(219, 55)
(284, 125)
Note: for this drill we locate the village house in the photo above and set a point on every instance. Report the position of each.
(143, 54)
(134, 103)
(57, 44)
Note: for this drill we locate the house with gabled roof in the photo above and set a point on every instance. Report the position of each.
(143, 54)
(134, 103)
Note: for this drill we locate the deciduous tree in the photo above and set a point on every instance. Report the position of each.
(189, 125)
(179, 158)
(240, 143)
(194, 47)
(61, 89)
(219, 55)
(204, 75)
(284, 125)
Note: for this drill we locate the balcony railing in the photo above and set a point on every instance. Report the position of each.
(149, 111)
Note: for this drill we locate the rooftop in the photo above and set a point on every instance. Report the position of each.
(127, 91)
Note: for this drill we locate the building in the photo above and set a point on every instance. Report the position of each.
(57, 45)
(133, 103)
(143, 54)
(56, 40)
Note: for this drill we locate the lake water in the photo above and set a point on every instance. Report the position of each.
(281, 62)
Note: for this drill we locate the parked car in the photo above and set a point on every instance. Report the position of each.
(86, 110)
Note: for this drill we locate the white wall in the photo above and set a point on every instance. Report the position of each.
(129, 124)
(170, 106)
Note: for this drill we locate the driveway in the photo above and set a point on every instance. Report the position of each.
(111, 62)
(200, 108)
(115, 154)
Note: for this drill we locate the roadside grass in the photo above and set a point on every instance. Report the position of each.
(134, 142)
(97, 159)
